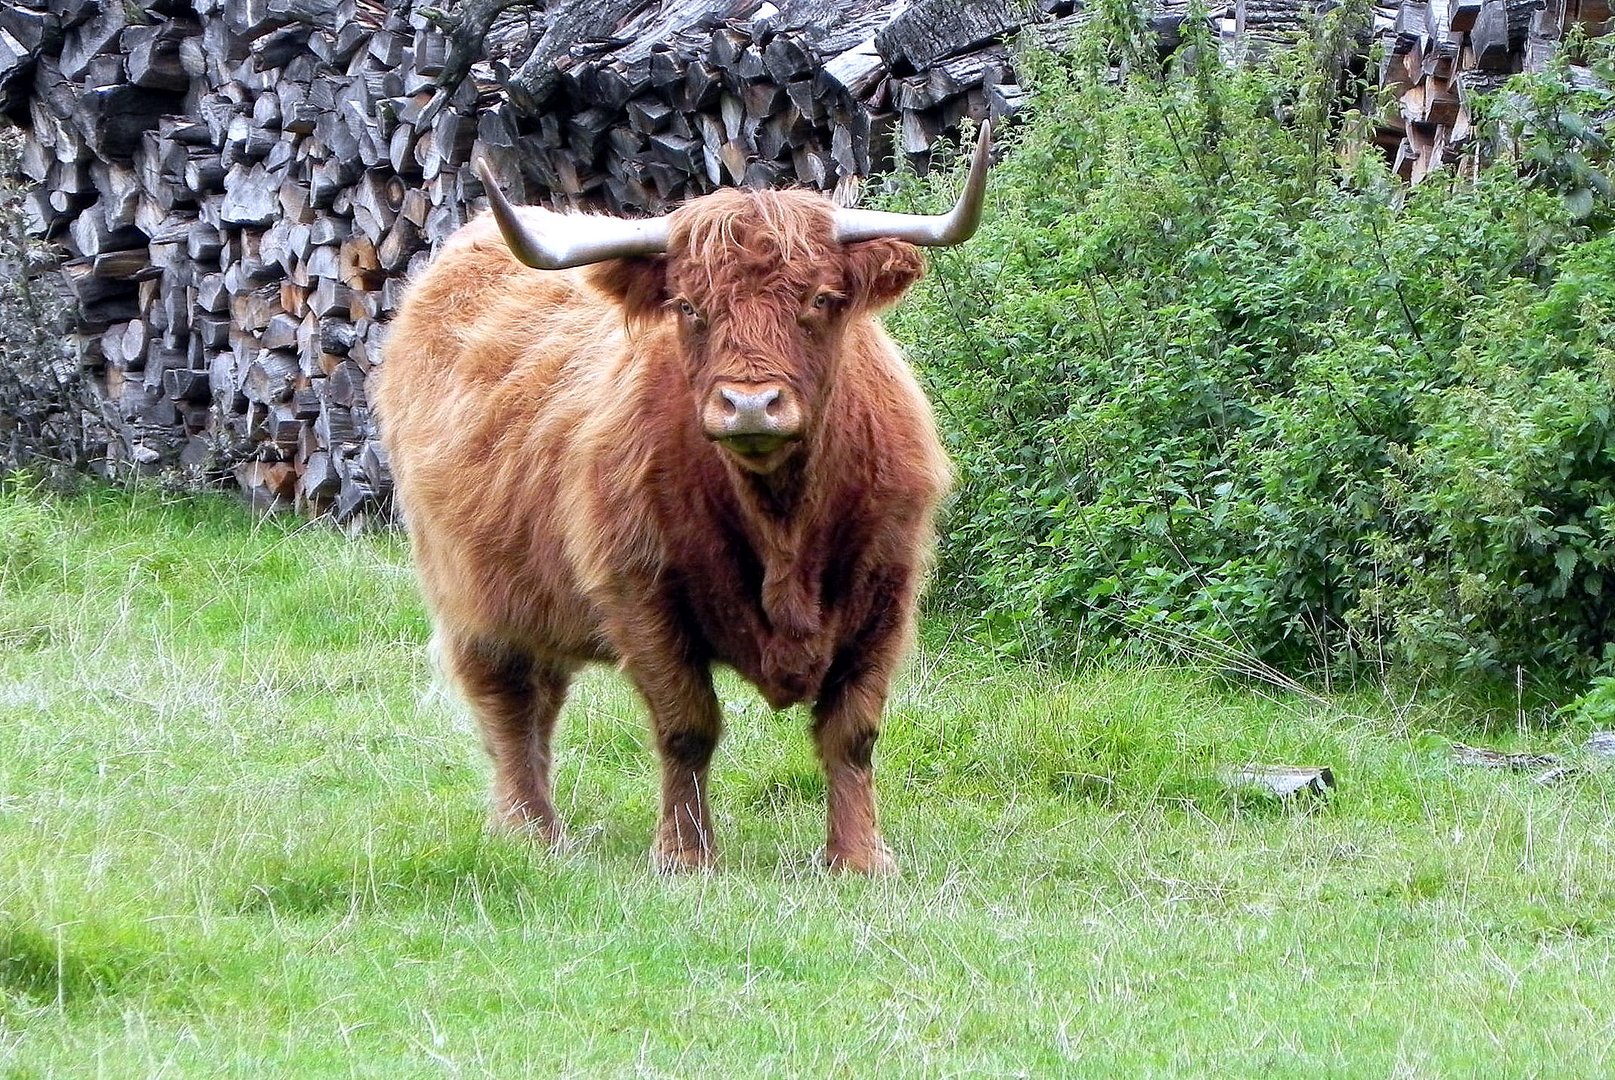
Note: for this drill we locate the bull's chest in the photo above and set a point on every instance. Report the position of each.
(771, 620)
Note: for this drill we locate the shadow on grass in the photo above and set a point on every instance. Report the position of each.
(71, 965)
(486, 871)
(783, 790)
(30, 627)
(42, 969)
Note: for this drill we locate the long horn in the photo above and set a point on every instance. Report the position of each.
(546, 240)
(927, 230)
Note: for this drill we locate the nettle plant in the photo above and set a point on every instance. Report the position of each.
(1555, 125)
(1215, 380)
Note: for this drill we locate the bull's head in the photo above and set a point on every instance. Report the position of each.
(764, 287)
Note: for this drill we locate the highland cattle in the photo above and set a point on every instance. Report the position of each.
(666, 445)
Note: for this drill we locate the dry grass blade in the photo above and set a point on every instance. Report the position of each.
(1197, 646)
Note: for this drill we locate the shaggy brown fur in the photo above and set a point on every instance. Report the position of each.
(565, 503)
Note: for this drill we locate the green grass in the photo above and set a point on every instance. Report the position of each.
(241, 835)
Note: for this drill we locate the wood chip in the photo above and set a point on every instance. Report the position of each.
(1556, 774)
(1284, 781)
(1481, 758)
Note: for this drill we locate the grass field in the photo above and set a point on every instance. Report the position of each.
(241, 836)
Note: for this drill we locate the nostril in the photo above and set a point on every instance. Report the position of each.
(740, 401)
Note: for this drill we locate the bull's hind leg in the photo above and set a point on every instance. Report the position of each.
(516, 699)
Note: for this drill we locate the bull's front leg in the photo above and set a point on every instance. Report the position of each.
(846, 725)
(687, 723)
(845, 734)
(688, 726)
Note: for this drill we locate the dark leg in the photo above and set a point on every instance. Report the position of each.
(684, 711)
(516, 700)
(846, 724)
(687, 723)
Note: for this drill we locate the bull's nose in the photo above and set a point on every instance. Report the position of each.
(737, 410)
(745, 409)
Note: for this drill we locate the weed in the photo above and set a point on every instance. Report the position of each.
(1219, 387)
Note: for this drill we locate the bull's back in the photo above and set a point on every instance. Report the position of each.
(475, 416)
(471, 321)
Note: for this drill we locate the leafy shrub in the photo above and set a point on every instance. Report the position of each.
(1212, 376)
(1554, 125)
(1595, 708)
(1509, 491)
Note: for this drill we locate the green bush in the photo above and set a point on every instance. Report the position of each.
(1212, 377)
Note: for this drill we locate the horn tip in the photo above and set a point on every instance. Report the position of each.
(485, 174)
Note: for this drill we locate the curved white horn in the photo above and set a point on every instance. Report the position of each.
(546, 240)
(927, 230)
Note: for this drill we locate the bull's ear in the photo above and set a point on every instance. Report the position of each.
(881, 271)
(639, 284)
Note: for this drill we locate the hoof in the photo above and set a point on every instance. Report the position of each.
(682, 860)
(874, 860)
(529, 826)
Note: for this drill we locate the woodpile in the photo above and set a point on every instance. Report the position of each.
(686, 97)
(243, 186)
(1440, 54)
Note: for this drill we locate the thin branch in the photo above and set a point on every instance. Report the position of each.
(467, 27)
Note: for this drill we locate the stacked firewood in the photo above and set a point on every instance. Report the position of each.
(686, 97)
(1441, 54)
(243, 186)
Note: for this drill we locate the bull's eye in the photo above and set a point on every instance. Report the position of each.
(690, 313)
(823, 301)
